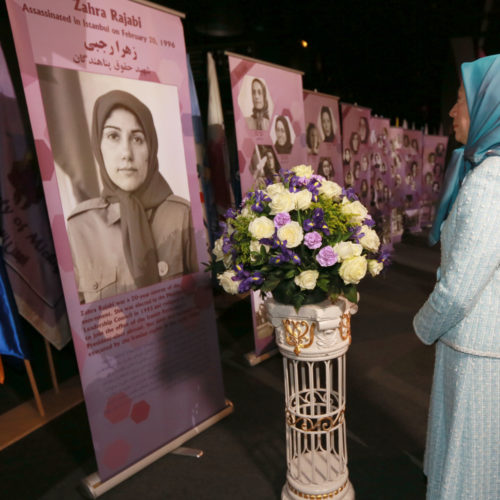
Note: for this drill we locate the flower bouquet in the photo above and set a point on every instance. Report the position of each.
(302, 237)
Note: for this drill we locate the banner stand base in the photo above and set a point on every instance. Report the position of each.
(188, 452)
(92, 486)
(253, 359)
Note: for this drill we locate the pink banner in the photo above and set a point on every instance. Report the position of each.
(108, 96)
(323, 139)
(270, 134)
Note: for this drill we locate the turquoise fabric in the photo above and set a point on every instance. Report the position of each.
(482, 88)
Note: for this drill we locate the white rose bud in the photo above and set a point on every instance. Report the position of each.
(306, 280)
(354, 210)
(370, 240)
(353, 270)
(292, 233)
(347, 249)
(303, 171)
(374, 267)
(303, 199)
(330, 189)
(274, 189)
(282, 202)
(261, 227)
(217, 250)
(226, 281)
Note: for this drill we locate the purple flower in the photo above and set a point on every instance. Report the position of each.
(350, 194)
(254, 279)
(357, 234)
(281, 219)
(230, 213)
(369, 221)
(326, 256)
(308, 224)
(227, 246)
(286, 255)
(313, 240)
(259, 198)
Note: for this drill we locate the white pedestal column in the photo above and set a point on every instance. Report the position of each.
(313, 344)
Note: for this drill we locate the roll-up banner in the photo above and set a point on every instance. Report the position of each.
(323, 138)
(107, 90)
(270, 135)
(356, 150)
(382, 180)
(398, 171)
(434, 150)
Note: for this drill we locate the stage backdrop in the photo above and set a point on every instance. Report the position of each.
(323, 138)
(148, 358)
(270, 135)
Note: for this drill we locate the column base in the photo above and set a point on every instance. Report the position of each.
(344, 493)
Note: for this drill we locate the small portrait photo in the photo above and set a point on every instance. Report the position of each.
(255, 103)
(365, 163)
(357, 170)
(325, 168)
(363, 129)
(397, 180)
(435, 187)
(348, 178)
(431, 158)
(327, 124)
(354, 142)
(363, 190)
(346, 157)
(282, 135)
(406, 141)
(386, 194)
(264, 165)
(124, 192)
(437, 170)
(428, 178)
(376, 160)
(312, 139)
(414, 145)
(383, 168)
(414, 169)
(440, 149)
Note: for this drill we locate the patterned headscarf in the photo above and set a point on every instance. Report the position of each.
(481, 80)
(138, 243)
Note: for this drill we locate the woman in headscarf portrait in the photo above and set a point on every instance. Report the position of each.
(326, 119)
(259, 119)
(461, 316)
(137, 232)
(283, 144)
(312, 139)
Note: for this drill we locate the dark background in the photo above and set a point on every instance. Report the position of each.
(398, 57)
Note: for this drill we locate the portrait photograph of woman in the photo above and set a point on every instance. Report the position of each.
(328, 125)
(312, 139)
(255, 103)
(355, 142)
(364, 129)
(132, 229)
(325, 168)
(282, 135)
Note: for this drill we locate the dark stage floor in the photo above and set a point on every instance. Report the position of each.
(388, 385)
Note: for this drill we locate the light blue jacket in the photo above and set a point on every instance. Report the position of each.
(463, 311)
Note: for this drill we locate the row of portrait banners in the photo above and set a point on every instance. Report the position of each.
(139, 305)
(396, 172)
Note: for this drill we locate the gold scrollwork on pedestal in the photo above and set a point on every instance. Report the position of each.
(345, 327)
(298, 334)
(318, 496)
(311, 424)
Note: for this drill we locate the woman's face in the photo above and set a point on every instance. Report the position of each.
(280, 133)
(355, 142)
(363, 129)
(314, 138)
(257, 95)
(326, 123)
(327, 168)
(124, 150)
(270, 162)
(460, 114)
(364, 163)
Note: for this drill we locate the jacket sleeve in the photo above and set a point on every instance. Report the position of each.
(472, 259)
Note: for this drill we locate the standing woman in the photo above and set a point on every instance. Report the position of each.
(137, 233)
(462, 314)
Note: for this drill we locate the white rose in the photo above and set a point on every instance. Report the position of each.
(303, 199)
(353, 270)
(292, 233)
(374, 267)
(282, 202)
(274, 189)
(347, 249)
(303, 171)
(226, 281)
(370, 240)
(217, 250)
(330, 189)
(247, 211)
(306, 280)
(228, 260)
(354, 210)
(261, 227)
